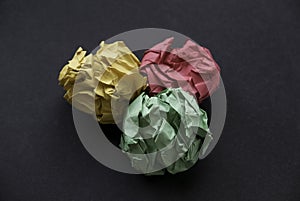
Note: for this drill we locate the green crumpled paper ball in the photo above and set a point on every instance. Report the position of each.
(166, 132)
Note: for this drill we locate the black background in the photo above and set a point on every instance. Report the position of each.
(256, 43)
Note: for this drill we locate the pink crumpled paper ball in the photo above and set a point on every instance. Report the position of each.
(190, 67)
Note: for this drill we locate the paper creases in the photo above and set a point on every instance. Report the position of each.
(170, 125)
(97, 80)
(191, 67)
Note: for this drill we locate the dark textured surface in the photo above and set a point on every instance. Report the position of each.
(256, 44)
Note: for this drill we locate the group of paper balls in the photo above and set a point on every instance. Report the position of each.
(155, 101)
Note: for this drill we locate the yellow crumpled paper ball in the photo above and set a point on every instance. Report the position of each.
(109, 76)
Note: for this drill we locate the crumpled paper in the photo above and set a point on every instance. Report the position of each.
(97, 81)
(168, 130)
(191, 67)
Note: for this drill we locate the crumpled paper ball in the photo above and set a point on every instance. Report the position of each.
(191, 67)
(168, 130)
(97, 80)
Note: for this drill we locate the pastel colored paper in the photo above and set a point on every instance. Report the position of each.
(171, 119)
(191, 67)
(97, 77)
